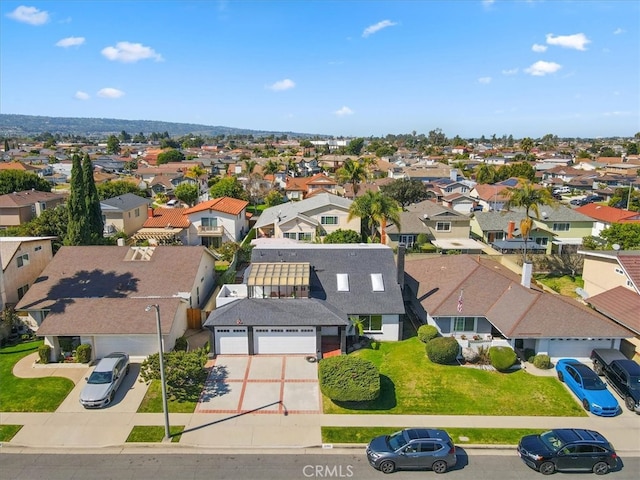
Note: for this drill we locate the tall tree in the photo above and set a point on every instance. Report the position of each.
(187, 193)
(375, 209)
(228, 187)
(526, 144)
(406, 191)
(195, 172)
(18, 181)
(486, 174)
(170, 155)
(95, 224)
(113, 145)
(352, 172)
(77, 223)
(249, 166)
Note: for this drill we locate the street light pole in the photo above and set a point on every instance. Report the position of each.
(165, 407)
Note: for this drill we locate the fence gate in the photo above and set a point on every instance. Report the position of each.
(194, 319)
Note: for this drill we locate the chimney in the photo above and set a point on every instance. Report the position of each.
(149, 211)
(527, 269)
(400, 264)
(510, 229)
(453, 175)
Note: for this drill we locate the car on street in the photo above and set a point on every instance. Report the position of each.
(587, 386)
(561, 190)
(104, 381)
(412, 448)
(564, 449)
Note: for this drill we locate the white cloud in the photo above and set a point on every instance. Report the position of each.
(30, 15)
(127, 52)
(541, 68)
(110, 93)
(576, 41)
(484, 80)
(618, 31)
(511, 71)
(488, 3)
(536, 47)
(344, 111)
(282, 85)
(70, 42)
(371, 29)
(80, 95)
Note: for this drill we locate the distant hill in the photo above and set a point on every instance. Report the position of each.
(25, 125)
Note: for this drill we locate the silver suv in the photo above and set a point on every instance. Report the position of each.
(412, 448)
(104, 381)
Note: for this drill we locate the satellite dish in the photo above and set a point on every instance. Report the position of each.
(616, 247)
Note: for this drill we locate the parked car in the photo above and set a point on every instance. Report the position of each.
(576, 201)
(412, 448)
(587, 386)
(622, 374)
(568, 449)
(591, 199)
(104, 381)
(561, 190)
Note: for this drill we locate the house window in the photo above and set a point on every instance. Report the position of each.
(370, 323)
(22, 291)
(23, 260)
(463, 324)
(561, 227)
(137, 212)
(305, 237)
(38, 248)
(443, 226)
(619, 271)
(408, 240)
(333, 220)
(543, 241)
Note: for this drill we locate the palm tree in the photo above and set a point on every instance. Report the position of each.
(526, 144)
(352, 172)
(249, 165)
(375, 208)
(527, 196)
(195, 172)
(271, 167)
(486, 174)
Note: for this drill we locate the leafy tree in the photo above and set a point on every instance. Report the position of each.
(170, 155)
(195, 172)
(228, 187)
(351, 172)
(608, 152)
(187, 193)
(116, 188)
(405, 191)
(486, 174)
(621, 199)
(632, 148)
(95, 224)
(184, 372)
(526, 144)
(273, 198)
(375, 209)
(6, 145)
(113, 145)
(18, 181)
(342, 236)
(228, 250)
(167, 142)
(139, 138)
(354, 147)
(627, 235)
(77, 231)
(520, 170)
(124, 137)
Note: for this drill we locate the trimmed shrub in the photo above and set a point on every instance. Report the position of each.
(502, 358)
(443, 350)
(83, 353)
(44, 352)
(347, 378)
(542, 361)
(181, 344)
(427, 332)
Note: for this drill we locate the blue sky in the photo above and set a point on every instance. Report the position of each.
(344, 68)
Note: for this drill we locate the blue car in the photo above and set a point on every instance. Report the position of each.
(588, 387)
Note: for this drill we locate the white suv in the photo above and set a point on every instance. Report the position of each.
(105, 379)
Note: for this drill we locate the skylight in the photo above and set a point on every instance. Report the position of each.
(377, 284)
(343, 282)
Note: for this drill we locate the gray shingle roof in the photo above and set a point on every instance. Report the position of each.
(492, 221)
(123, 203)
(289, 210)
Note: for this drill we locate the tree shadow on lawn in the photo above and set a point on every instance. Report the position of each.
(386, 400)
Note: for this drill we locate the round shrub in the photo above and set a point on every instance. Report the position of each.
(443, 350)
(347, 378)
(502, 358)
(44, 353)
(542, 361)
(427, 332)
(181, 344)
(83, 353)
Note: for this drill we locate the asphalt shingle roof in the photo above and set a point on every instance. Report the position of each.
(123, 203)
(289, 210)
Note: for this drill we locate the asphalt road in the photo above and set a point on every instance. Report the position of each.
(261, 467)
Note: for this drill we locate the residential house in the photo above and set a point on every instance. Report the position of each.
(304, 299)
(22, 260)
(299, 188)
(218, 221)
(490, 197)
(604, 216)
(482, 303)
(20, 207)
(307, 220)
(166, 226)
(97, 295)
(124, 213)
(612, 287)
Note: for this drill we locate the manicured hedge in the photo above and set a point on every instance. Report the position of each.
(427, 332)
(502, 358)
(542, 361)
(347, 378)
(83, 353)
(443, 350)
(44, 353)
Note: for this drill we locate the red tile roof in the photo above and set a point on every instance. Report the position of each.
(229, 205)
(608, 214)
(162, 217)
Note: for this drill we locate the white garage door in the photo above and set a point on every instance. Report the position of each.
(232, 341)
(134, 345)
(285, 340)
(572, 348)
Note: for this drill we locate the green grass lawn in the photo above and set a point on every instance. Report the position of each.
(460, 436)
(153, 433)
(411, 384)
(152, 402)
(7, 432)
(28, 394)
(564, 285)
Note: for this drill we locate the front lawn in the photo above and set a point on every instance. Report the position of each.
(152, 401)
(412, 385)
(28, 394)
(153, 433)
(7, 432)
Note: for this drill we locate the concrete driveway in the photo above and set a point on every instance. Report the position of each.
(276, 384)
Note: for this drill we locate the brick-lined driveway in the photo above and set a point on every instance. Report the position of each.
(280, 384)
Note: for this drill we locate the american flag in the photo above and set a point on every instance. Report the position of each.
(460, 302)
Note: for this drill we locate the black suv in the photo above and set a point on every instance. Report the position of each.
(568, 449)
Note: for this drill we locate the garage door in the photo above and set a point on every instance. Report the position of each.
(285, 340)
(569, 347)
(232, 341)
(134, 345)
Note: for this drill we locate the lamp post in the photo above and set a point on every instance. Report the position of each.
(165, 407)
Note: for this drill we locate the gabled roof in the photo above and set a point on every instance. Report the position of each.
(10, 245)
(289, 210)
(232, 206)
(491, 221)
(123, 203)
(620, 304)
(28, 197)
(491, 290)
(168, 217)
(491, 192)
(608, 214)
